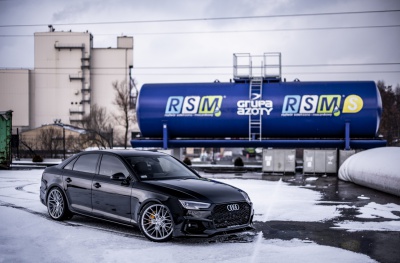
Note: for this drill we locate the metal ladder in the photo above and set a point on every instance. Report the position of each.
(255, 121)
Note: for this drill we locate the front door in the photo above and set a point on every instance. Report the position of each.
(111, 197)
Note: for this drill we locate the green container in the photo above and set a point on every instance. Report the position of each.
(5, 139)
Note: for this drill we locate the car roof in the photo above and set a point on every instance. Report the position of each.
(128, 152)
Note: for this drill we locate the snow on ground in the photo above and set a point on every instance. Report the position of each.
(281, 201)
(28, 238)
(353, 226)
(28, 235)
(374, 210)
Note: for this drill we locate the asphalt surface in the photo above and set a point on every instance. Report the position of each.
(383, 246)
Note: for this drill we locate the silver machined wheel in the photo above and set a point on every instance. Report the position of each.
(56, 204)
(156, 222)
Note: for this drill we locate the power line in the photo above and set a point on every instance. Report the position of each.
(269, 30)
(223, 67)
(204, 19)
(343, 64)
(212, 73)
(284, 73)
(283, 66)
(237, 31)
(343, 72)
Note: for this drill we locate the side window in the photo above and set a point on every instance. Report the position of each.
(70, 165)
(86, 163)
(111, 165)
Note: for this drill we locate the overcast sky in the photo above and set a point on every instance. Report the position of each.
(201, 50)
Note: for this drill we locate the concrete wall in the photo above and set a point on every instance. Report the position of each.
(109, 66)
(14, 95)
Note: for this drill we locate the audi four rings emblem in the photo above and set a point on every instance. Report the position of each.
(233, 207)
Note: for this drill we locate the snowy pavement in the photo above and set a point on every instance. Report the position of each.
(288, 217)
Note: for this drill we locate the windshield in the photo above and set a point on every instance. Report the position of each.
(159, 167)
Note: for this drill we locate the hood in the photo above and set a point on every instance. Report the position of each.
(203, 190)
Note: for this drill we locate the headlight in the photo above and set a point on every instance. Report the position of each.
(246, 196)
(194, 205)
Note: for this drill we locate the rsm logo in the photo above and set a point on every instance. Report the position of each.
(194, 106)
(320, 105)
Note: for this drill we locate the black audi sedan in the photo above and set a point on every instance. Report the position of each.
(151, 190)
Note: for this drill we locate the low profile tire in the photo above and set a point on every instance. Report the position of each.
(57, 205)
(156, 222)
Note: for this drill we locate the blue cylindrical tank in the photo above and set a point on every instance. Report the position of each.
(286, 109)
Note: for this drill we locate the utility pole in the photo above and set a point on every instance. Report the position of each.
(63, 140)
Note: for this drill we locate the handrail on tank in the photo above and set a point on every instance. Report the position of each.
(266, 66)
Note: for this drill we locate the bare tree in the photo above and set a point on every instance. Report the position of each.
(98, 127)
(30, 145)
(390, 124)
(123, 102)
(50, 140)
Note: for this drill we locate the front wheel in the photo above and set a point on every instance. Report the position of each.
(57, 205)
(156, 222)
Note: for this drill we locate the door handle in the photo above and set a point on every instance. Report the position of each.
(97, 185)
(68, 180)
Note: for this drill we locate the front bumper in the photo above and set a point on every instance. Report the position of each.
(208, 223)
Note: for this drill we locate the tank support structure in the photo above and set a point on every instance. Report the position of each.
(347, 136)
(165, 136)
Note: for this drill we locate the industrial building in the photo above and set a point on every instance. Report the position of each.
(69, 76)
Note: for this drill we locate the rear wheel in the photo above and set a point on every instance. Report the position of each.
(57, 205)
(156, 222)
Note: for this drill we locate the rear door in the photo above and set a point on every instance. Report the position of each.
(111, 198)
(78, 177)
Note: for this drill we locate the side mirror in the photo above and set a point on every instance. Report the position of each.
(118, 177)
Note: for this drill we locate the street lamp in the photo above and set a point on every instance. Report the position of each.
(132, 98)
(63, 141)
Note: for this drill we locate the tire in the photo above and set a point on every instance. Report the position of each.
(156, 222)
(57, 205)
